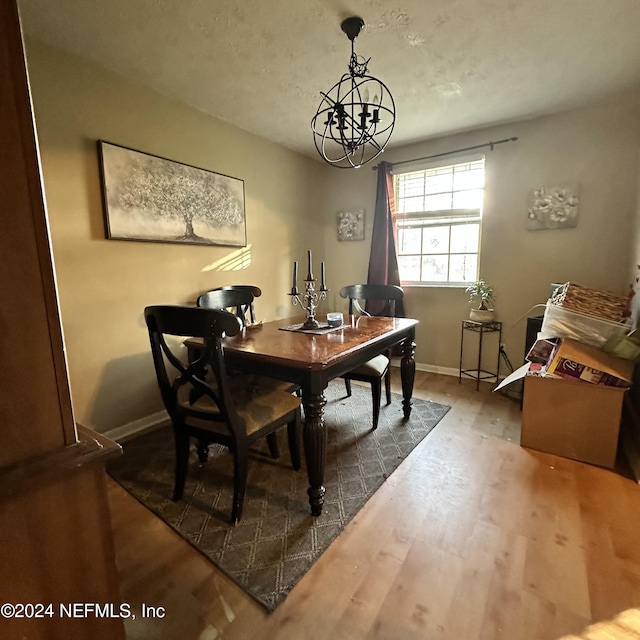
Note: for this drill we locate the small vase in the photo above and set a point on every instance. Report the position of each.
(481, 315)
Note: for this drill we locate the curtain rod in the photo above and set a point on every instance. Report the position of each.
(491, 144)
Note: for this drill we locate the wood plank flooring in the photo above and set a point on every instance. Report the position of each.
(472, 538)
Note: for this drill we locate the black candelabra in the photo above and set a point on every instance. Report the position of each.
(310, 299)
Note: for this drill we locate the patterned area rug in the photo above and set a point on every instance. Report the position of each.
(277, 540)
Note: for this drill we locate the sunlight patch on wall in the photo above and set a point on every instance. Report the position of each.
(234, 261)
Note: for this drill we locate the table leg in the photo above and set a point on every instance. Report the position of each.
(407, 374)
(315, 447)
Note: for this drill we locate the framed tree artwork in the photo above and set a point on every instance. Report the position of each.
(153, 199)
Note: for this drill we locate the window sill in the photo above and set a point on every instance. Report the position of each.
(430, 285)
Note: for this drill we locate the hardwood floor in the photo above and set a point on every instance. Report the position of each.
(473, 537)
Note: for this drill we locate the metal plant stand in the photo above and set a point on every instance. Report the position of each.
(478, 373)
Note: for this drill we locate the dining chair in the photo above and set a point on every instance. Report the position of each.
(375, 370)
(237, 296)
(205, 403)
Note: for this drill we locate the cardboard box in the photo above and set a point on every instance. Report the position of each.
(619, 371)
(583, 362)
(572, 419)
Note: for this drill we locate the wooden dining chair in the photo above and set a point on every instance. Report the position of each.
(375, 370)
(237, 296)
(240, 298)
(204, 403)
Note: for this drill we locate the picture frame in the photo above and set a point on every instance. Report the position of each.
(153, 199)
(350, 225)
(553, 207)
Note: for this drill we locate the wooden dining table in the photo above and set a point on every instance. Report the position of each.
(312, 360)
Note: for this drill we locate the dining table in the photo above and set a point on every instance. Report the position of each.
(283, 349)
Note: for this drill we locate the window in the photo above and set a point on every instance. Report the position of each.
(438, 215)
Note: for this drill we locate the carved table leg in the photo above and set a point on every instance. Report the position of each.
(408, 374)
(315, 446)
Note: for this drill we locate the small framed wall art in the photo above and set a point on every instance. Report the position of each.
(554, 207)
(350, 225)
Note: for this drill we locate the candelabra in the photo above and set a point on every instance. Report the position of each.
(310, 299)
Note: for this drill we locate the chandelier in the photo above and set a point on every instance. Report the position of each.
(356, 116)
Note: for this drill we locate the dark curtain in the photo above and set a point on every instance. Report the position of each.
(383, 261)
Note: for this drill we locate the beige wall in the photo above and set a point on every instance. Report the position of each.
(104, 285)
(596, 147)
(634, 265)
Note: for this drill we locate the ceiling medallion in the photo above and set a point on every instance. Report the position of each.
(356, 116)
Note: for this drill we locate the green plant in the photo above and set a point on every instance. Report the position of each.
(482, 291)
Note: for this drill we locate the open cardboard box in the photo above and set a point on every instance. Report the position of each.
(582, 362)
(576, 420)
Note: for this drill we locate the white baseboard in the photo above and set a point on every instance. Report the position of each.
(430, 368)
(445, 371)
(126, 431)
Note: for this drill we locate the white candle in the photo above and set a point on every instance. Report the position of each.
(294, 286)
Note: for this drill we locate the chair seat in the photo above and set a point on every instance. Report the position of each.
(258, 400)
(241, 379)
(374, 367)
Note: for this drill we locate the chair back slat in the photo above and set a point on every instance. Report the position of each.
(386, 292)
(238, 297)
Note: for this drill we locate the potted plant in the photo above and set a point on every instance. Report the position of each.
(482, 292)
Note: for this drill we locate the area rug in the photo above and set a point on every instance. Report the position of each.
(277, 540)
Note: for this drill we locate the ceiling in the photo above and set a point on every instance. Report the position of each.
(451, 65)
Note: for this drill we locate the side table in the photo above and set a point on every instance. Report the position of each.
(480, 328)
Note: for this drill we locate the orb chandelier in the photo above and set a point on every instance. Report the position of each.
(356, 116)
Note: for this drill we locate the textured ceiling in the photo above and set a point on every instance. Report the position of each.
(451, 65)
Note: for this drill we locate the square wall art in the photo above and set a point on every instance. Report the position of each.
(350, 225)
(554, 207)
